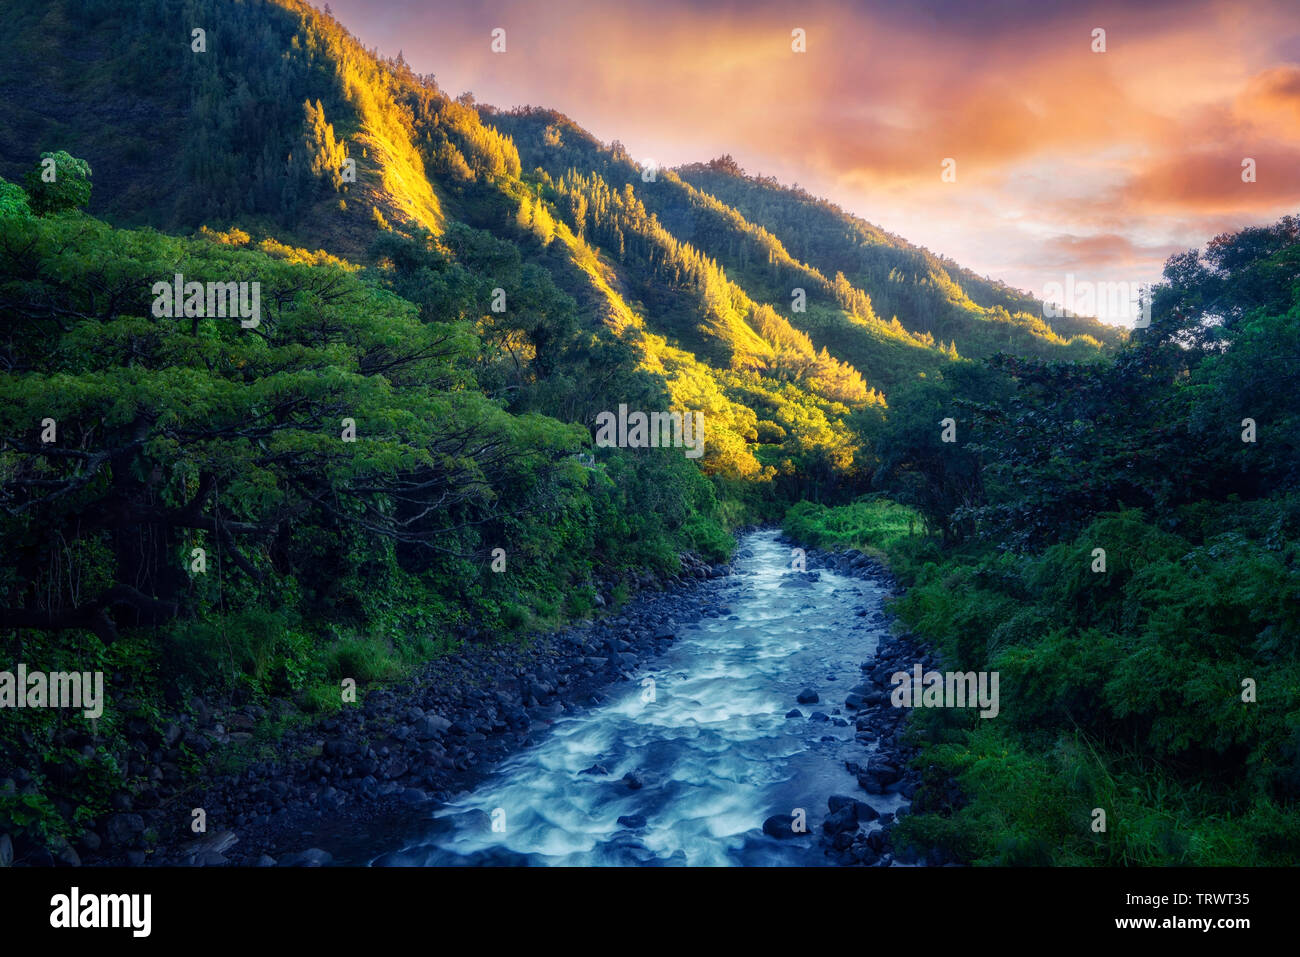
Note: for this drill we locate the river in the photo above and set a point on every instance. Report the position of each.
(704, 728)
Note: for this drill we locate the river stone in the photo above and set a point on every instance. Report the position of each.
(863, 854)
(638, 779)
(794, 713)
(780, 826)
(863, 811)
(884, 772)
(219, 843)
(394, 767)
(807, 696)
(312, 857)
(870, 783)
(124, 828)
(846, 818)
(837, 801)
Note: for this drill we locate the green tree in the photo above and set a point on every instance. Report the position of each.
(59, 182)
(13, 201)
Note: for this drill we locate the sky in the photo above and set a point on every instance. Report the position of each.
(1071, 164)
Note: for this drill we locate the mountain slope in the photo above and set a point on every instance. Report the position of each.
(727, 287)
(928, 294)
(830, 313)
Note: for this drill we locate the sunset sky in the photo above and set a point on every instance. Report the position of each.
(1067, 161)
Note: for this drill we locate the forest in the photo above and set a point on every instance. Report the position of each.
(195, 506)
(1119, 540)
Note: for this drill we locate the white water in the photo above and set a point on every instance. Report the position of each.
(716, 736)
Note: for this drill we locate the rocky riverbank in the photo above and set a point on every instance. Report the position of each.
(859, 829)
(383, 761)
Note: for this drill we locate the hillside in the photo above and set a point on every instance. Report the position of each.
(282, 97)
(929, 295)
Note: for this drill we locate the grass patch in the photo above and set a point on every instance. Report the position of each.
(876, 527)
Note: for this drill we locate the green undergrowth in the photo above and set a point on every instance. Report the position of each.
(1121, 692)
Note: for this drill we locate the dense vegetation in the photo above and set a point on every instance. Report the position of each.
(256, 512)
(1124, 684)
(191, 505)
